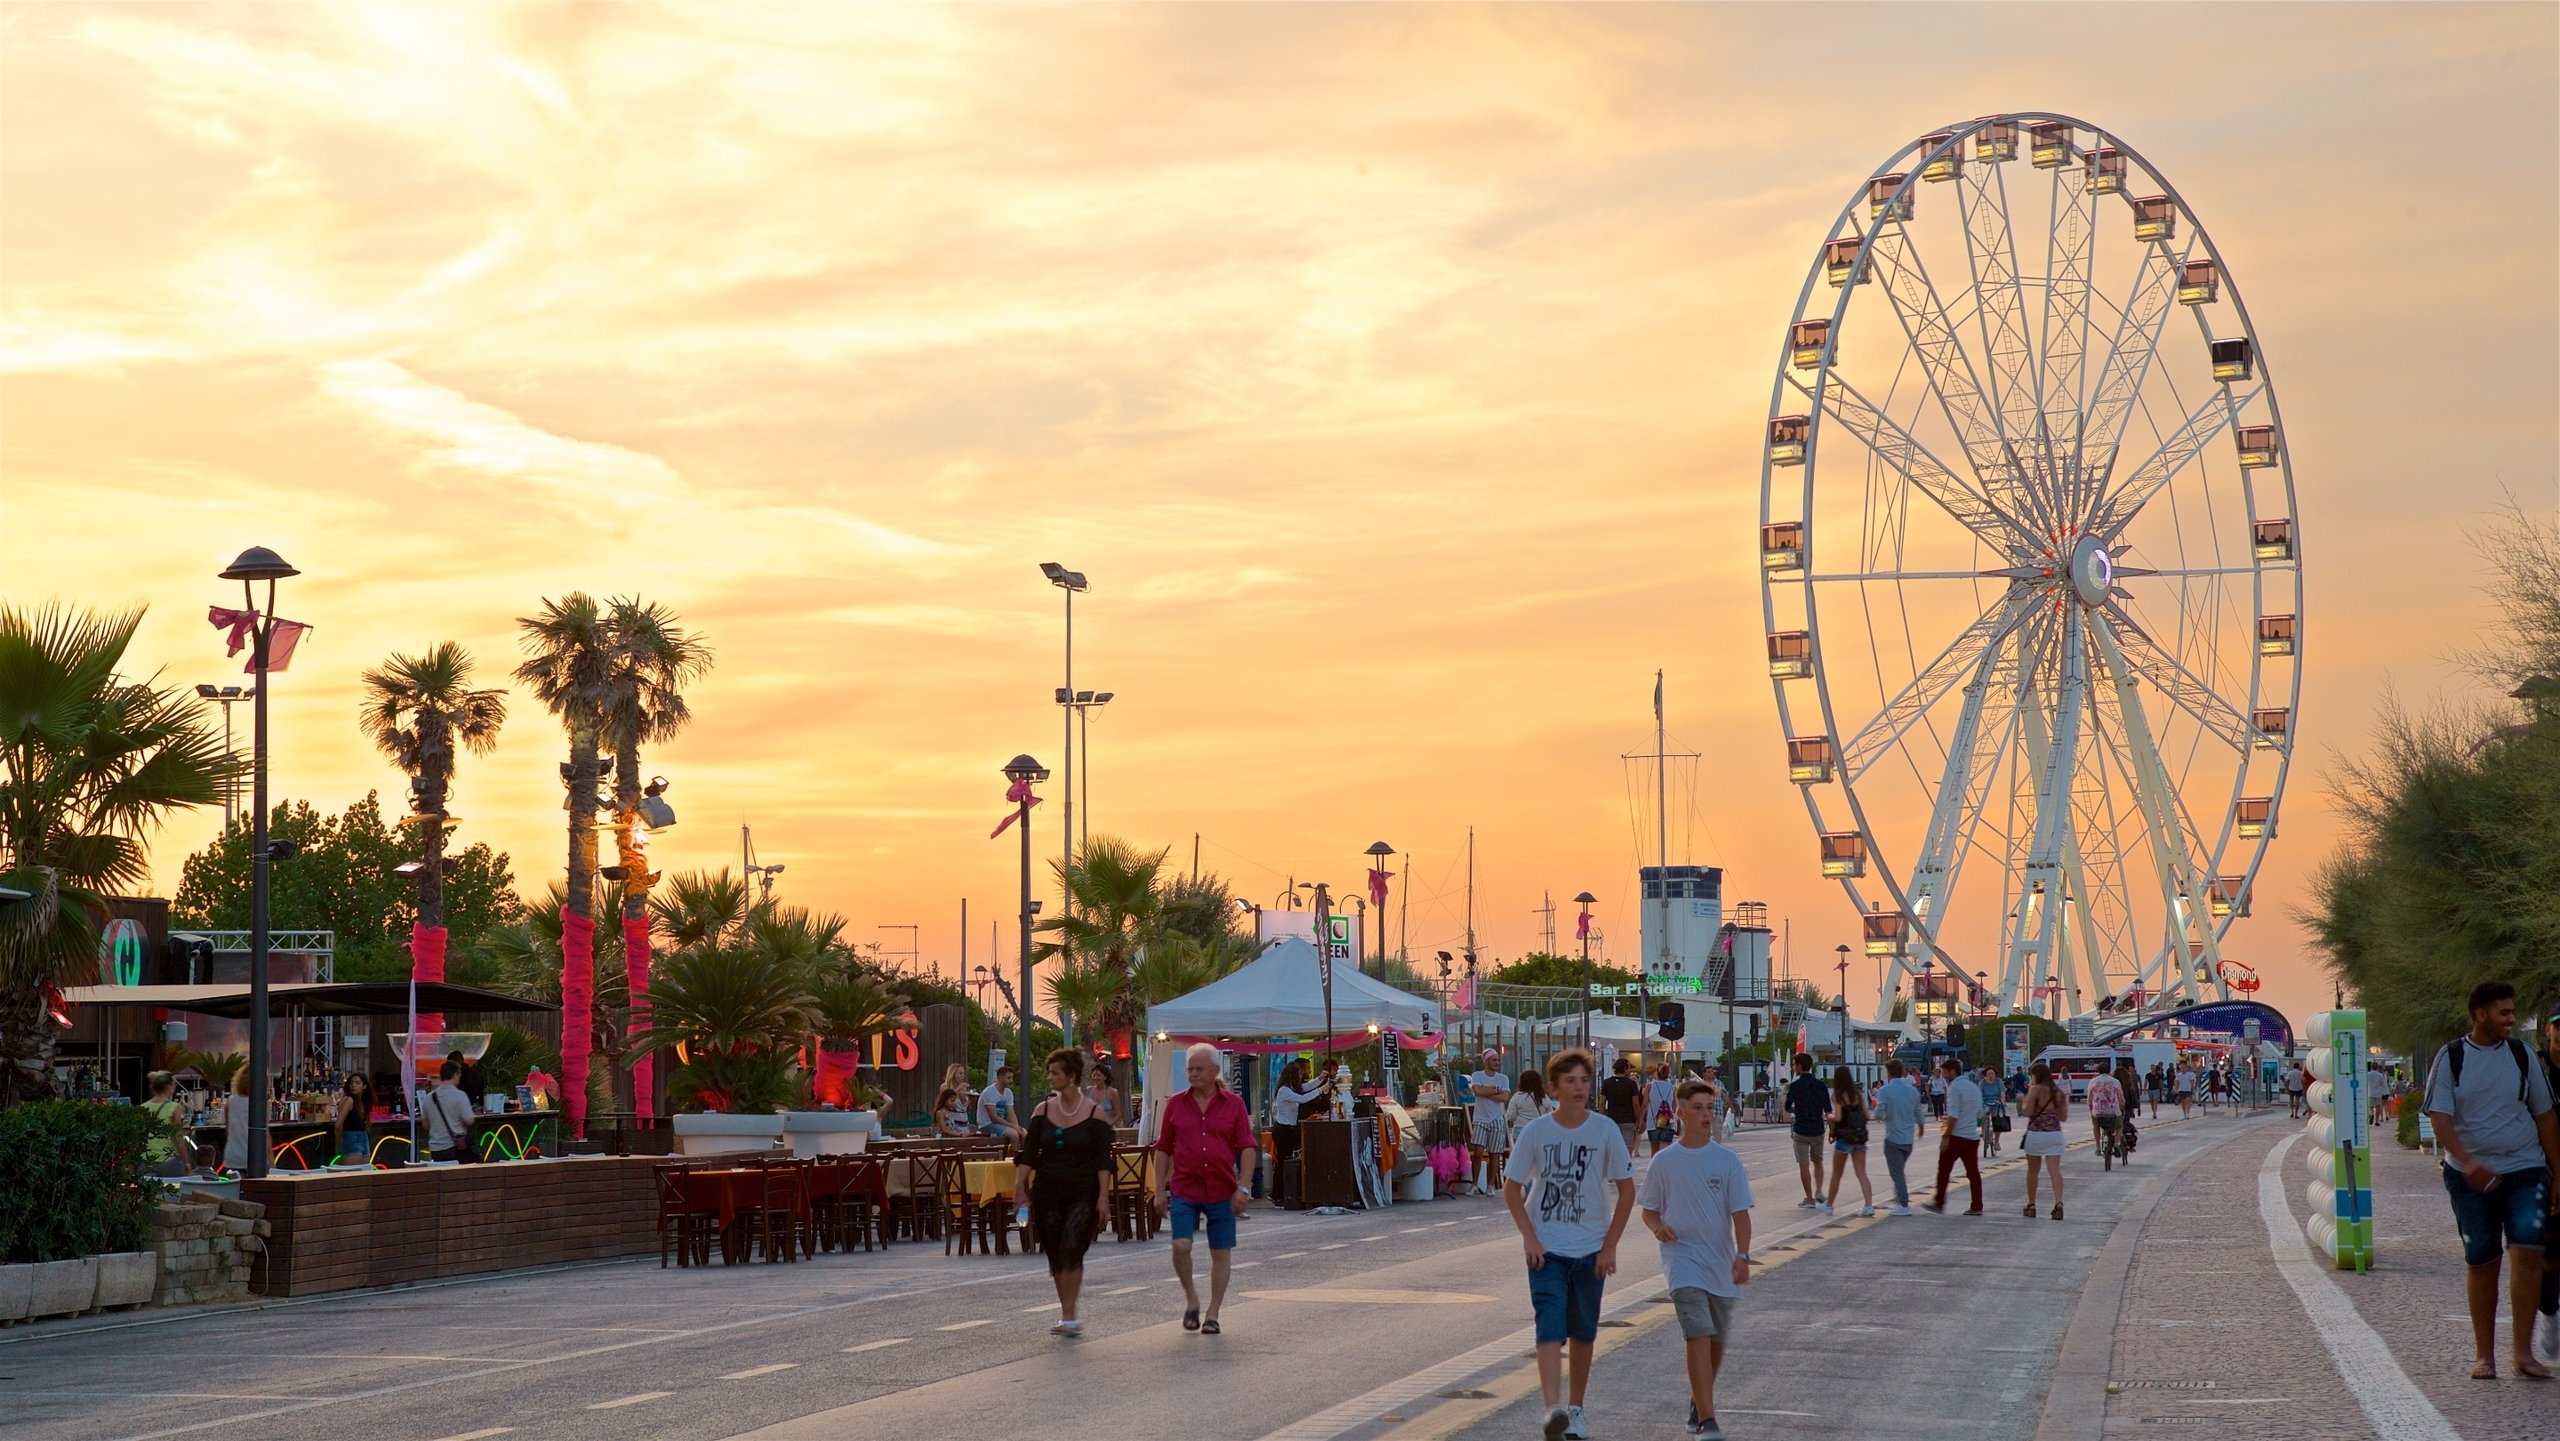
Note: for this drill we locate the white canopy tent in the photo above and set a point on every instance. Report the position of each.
(1280, 994)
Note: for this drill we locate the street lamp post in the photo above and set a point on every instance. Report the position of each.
(1378, 874)
(255, 564)
(1083, 703)
(1324, 958)
(227, 696)
(1844, 1003)
(1582, 933)
(1024, 772)
(1071, 582)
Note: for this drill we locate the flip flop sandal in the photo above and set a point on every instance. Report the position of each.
(1210, 1328)
(1191, 1319)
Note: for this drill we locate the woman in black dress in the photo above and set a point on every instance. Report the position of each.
(1064, 1167)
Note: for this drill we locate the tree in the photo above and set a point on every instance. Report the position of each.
(2450, 870)
(1540, 968)
(340, 879)
(90, 764)
(569, 664)
(419, 710)
(652, 660)
(1130, 938)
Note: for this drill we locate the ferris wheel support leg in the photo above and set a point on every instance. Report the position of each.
(1956, 803)
(2181, 891)
(2037, 923)
(2077, 915)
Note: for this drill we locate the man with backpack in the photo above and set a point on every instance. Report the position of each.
(2546, 1335)
(2491, 1105)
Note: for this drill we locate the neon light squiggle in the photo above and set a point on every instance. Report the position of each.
(390, 1138)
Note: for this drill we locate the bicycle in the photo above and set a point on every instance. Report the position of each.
(1990, 1130)
(2111, 1147)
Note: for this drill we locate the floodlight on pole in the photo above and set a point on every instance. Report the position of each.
(255, 564)
(1025, 772)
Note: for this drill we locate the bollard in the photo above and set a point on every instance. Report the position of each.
(2341, 1154)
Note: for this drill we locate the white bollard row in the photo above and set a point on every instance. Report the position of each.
(2341, 1155)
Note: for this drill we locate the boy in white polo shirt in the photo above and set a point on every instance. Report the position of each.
(1697, 1202)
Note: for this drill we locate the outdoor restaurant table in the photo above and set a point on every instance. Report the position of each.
(988, 1180)
(727, 1192)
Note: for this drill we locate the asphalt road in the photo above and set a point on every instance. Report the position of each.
(1337, 1324)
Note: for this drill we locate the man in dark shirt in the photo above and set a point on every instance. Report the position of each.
(1809, 1104)
(471, 1083)
(1619, 1096)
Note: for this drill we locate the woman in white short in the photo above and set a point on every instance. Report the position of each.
(2046, 1108)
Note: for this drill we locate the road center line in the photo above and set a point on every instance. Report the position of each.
(877, 1345)
(481, 1435)
(632, 1400)
(755, 1371)
(968, 1325)
(1124, 1290)
(2391, 1401)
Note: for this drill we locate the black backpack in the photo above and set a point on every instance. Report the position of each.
(2453, 1050)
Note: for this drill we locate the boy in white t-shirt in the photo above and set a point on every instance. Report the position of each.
(1697, 1203)
(1559, 1164)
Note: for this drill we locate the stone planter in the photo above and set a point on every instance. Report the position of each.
(63, 1288)
(710, 1133)
(828, 1133)
(17, 1291)
(125, 1278)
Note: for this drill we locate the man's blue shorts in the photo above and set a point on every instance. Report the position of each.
(2513, 1208)
(1221, 1216)
(1565, 1295)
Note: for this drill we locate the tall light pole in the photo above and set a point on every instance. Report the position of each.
(1025, 773)
(1072, 582)
(1324, 958)
(255, 564)
(1582, 933)
(1378, 876)
(1844, 1003)
(1084, 703)
(227, 696)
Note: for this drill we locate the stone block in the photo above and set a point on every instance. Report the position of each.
(17, 1291)
(237, 1226)
(245, 1210)
(64, 1288)
(262, 1228)
(125, 1278)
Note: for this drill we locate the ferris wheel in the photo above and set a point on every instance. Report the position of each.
(2030, 576)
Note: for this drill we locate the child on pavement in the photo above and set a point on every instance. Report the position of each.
(1561, 1161)
(1697, 1203)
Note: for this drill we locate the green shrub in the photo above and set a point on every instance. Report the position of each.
(71, 1180)
(2408, 1128)
(760, 1084)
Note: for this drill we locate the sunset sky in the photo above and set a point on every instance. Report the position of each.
(1395, 373)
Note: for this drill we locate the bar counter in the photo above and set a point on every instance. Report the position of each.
(340, 1230)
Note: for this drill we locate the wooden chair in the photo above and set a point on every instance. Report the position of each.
(842, 1204)
(964, 1220)
(773, 1225)
(685, 1230)
(1132, 1195)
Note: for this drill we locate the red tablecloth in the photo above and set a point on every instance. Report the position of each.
(725, 1193)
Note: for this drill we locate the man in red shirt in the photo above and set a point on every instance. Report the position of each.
(1204, 1132)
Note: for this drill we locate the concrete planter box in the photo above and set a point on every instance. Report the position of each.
(125, 1278)
(63, 1288)
(17, 1291)
(710, 1133)
(828, 1133)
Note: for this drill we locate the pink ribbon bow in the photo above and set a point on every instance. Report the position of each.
(1020, 794)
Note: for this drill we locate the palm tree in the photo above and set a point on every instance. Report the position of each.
(698, 908)
(419, 710)
(569, 664)
(652, 660)
(90, 763)
(1116, 922)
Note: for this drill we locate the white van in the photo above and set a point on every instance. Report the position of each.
(2074, 1066)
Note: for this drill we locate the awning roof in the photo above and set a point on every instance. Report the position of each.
(311, 998)
(1279, 994)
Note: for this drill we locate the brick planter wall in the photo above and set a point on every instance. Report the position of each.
(338, 1232)
(207, 1248)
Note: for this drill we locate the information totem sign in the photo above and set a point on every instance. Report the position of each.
(2341, 1190)
(1390, 1051)
(2013, 1048)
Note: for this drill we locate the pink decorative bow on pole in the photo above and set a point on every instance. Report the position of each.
(242, 624)
(1582, 926)
(1023, 800)
(1378, 886)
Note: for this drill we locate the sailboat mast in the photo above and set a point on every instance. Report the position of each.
(1662, 820)
(1471, 897)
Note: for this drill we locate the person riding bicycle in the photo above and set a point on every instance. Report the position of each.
(2106, 1110)
(2132, 1084)
(1993, 1111)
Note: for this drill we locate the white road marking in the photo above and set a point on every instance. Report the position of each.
(1291, 1256)
(1379, 1237)
(1042, 1306)
(2391, 1401)
(1124, 1291)
(632, 1400)
(755, 1371)
(877, 1345)
(1331, 1246)
(482, 1435)
(967, 1325)
(1409, 1230)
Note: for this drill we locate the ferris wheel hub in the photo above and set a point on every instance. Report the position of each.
(2093, 570)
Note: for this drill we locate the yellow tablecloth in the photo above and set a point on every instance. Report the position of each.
(988, 1180)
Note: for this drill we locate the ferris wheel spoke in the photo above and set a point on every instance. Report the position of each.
(1877, 737)
(1936, 343)
(2137, 340)
(1957, 805)
(1931, 476)
(2002, 314)
(2118, 505)
(2064, 348)
(2185, 689)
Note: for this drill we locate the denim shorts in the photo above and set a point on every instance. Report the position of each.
(1565, 1295)
(1221, 1216)
(1704, 1315)
(2513, 1210)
